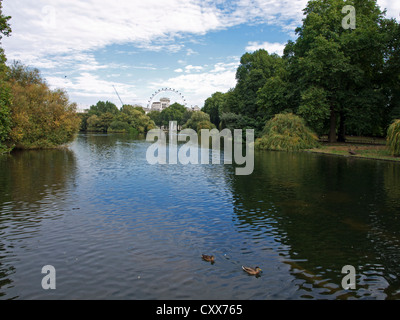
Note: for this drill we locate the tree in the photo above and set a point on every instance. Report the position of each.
(199, 120)
(5, 28)
(273, 97)
(156, 117)
(391, 73)
(103, 107)
(254, 70)
(127, 108)
(314, 109)
(5, 91)
(41, 118)
(232, 121)
(346, 64)
(174, 112)
(214, 106)
(5, 116)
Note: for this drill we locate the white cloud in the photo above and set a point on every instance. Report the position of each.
(44, 27)
(58, 35)
(190, 68)
(274, 47)
(190, 52)
(61, 26)
(197, 87)
(87, 85)
(392, 6)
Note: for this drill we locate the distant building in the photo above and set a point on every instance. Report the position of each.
(196, 108)
(156, 106)
(164, 103)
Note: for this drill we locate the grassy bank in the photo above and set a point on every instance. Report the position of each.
(367, 151)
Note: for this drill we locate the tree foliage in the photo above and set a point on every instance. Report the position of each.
(393, 138)
(106, 117)
(214, 106)
(287, 132)
(341, 81)
(199, 120)
(314, 108)
(5, 91)
(41, 118)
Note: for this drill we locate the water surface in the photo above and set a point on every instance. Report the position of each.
(115, 227)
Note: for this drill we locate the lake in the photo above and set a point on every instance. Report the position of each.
(115, 227)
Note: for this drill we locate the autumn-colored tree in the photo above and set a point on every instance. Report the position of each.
(41, 118)
(5, 94)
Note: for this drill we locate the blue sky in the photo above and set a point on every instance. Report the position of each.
(88, 47)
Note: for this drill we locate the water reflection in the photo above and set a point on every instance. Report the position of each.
(116, 227)
(328, 212)
(33, 185)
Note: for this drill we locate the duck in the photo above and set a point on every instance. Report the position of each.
(252, 271)
(352, 152)
(208, 258)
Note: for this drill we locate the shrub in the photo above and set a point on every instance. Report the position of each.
(287, 132)
(393, 138)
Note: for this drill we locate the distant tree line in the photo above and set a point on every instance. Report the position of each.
(106, 117)
(341, 81)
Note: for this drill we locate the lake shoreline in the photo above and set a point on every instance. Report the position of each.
(368, 152)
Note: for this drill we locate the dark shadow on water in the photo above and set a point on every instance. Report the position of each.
(329, 212)
(31, 183)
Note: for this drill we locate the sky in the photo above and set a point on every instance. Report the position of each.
(99, 50)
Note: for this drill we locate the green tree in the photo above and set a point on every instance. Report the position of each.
(214, 107)
(346, 64)
(254, 70)
(5, 28)
(314, 108)
(103, 107)
(274, 97)
(5, 115)
(391, 73)
(199, 120)
(232, 121)
(174, 112)
(128, 109)
(93, 123)
(5, 90)
(156, 117)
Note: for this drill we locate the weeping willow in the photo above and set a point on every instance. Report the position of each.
(287, 132)
(393, 138)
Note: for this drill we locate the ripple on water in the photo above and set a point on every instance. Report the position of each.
(117, 228)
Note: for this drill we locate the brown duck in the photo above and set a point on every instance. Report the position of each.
(208, 258)
(252, 271)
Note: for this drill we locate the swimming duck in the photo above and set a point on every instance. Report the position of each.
(253, 271)
(208, 258)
